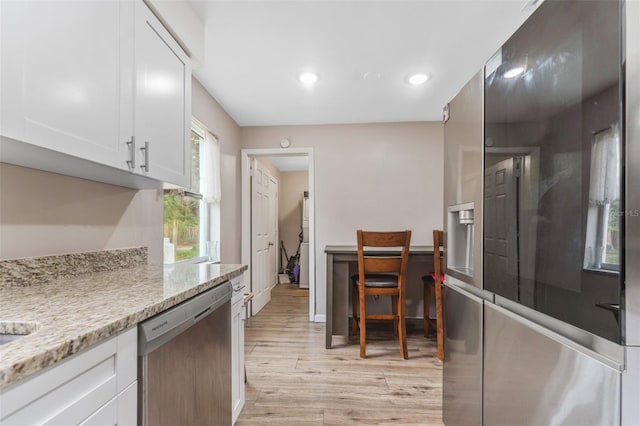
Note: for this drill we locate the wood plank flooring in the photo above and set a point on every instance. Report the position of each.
(293, 380)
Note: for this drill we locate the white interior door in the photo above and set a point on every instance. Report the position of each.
(260, 256)
(273, 232)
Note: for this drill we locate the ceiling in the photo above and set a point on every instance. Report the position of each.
(254, 51)
(296, 163)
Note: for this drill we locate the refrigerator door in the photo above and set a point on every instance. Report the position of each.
(554, 144)
(533, 376)
(631, 315)
(631, 331)
(462, 371)
(463, 133)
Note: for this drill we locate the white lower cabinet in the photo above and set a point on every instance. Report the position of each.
(237, 347)
(94, 387)
(121, 410)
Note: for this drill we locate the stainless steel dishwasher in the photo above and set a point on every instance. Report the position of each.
(185, 362)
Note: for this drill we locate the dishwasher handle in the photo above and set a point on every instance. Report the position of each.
(158, 330)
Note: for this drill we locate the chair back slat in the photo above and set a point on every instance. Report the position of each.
(384, 239)
(382, 265)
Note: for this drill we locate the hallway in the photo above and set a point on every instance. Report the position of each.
(293, 380)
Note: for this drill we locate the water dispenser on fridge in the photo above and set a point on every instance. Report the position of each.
(460, 229)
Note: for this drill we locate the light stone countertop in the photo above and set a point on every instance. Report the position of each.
(73, 313)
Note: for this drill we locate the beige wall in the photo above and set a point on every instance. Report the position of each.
(44, 213)
(210, 113)
(369, 176)
(292, 186)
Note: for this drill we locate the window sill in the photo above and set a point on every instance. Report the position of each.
(194, 260)
(609, 272)
(210, 262)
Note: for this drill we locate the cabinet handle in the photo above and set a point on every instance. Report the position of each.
(132, 153)
(145, 148)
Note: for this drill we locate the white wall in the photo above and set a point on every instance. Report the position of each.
(369, 176)
(44, 213)
(292, 187)
(210, 113)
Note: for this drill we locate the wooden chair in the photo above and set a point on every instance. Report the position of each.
(433, 286)
(383, 275)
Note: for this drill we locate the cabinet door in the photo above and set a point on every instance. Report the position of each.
(121, 410)
(107, 415)
(128, 405)
(162, 102)
(78, 388)
(237, 358)
(62, 79)
(65, 393)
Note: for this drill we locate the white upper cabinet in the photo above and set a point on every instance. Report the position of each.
(97, 81)
(162, 102)
(61, 77)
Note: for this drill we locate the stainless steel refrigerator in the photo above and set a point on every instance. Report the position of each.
(463, 295)
(542, 199)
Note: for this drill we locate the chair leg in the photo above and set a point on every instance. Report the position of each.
(427, 308)
(354, 305)
(402, 329)
(439, 321)
(363, 325)
(394, 310)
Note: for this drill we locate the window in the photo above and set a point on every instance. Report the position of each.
(192, 216)
(602, 249)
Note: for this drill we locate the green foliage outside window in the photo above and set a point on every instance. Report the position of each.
(182, 224)
(182, 211)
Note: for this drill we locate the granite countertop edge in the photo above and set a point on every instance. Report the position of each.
(51, 352)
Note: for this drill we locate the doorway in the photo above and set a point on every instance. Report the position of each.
(248, 161)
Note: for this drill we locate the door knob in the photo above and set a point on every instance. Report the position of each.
(270, 243)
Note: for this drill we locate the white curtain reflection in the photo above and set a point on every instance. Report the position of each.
(604, 192)
(604, 187)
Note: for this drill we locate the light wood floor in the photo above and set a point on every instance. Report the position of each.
(293, 380)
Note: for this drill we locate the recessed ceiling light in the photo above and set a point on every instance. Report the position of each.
(371, 76)
(418, 79)
(513, 72)
(308, 78)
